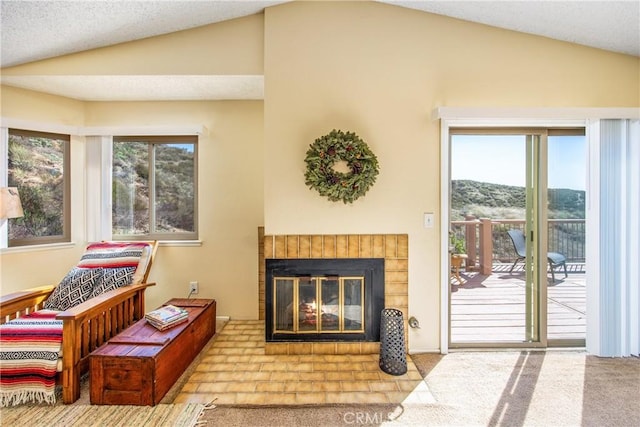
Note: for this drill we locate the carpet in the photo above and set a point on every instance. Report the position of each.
(178, 415)
(476, 388)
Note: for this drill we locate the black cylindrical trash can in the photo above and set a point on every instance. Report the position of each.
(393, 356)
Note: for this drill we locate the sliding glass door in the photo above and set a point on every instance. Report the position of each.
(566, 214)
(502, 268)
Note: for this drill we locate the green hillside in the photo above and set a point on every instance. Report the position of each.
(174, 204)
(36, 168)
(488, 200)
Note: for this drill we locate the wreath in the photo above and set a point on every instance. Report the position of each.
(346, 147)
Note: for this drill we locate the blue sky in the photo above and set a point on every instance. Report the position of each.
(500, 159)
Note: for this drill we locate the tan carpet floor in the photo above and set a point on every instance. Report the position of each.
(469, 388)
(553, 388)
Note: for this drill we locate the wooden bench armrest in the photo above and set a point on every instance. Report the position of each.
(15, 302)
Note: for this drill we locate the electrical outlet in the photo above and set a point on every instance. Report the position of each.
(193, 287)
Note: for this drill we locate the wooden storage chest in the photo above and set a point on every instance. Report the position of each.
(139, 365)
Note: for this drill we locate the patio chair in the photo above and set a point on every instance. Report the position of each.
(519, 244)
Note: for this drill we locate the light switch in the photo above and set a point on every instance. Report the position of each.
(428, 220)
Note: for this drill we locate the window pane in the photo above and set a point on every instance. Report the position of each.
(154, 187)
(174, 175)
(330, 304)
(353, 304)
(130, 188)
(284, 305)
(36, 165)
(307, 309)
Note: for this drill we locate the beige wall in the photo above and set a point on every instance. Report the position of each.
(230, 199)
(379, 71)
(371, 68)
(20, 270)
(228, 48)
(230, 171)
(40, 107)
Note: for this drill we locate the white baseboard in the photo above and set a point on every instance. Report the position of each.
(423, 350)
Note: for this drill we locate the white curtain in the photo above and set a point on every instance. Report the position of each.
(613, 328)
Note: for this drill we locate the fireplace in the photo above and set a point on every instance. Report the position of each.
(392, 248)
(320, 300)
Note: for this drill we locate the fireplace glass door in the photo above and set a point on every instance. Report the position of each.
(318, 304)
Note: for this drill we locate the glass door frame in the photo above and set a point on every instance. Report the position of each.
(540, 149)
(588, 119)
(536, 219)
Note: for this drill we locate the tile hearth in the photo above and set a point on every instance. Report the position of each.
(235, 370)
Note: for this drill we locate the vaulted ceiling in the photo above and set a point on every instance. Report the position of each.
(35, 30)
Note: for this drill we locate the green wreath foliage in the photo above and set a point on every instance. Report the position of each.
(348, 147)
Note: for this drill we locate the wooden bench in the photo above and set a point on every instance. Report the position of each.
(139, 366)
(86, 326)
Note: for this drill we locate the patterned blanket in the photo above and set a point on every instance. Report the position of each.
(29, 351)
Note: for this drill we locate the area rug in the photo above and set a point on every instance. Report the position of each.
(174, 415)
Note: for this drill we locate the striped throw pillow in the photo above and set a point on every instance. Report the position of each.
(112, 255)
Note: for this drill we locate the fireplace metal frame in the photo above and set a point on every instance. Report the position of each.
(317, 315)
(372, 269)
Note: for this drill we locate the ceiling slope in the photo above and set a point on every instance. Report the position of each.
(36, 30)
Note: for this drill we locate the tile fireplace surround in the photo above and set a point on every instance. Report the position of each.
(394, 248)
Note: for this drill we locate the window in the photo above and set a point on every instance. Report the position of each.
(154, 187)
(38, 165)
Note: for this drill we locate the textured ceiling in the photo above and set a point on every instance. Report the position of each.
(609, 25)
(33, 30)
(65, 27)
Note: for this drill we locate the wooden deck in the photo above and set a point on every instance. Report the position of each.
(491, 308)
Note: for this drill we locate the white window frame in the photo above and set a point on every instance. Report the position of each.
(92, 180)
(11, 123)
(99, 177)
(152, 143)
